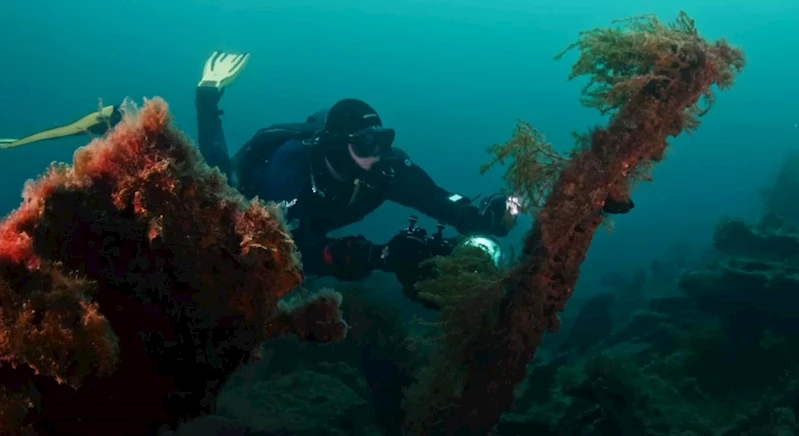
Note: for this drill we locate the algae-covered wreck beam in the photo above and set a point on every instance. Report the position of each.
(134, 282)
(654, 81)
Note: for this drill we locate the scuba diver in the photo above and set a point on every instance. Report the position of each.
(330, 171)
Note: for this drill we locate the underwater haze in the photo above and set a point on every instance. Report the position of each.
(654, 343)
(451, 76)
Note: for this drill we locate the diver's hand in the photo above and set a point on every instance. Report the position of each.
(500, 212)
(221, 69)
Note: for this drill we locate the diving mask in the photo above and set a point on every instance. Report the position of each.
(371, 141)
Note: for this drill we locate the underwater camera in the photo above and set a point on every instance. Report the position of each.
(438, 245)
(420, 246)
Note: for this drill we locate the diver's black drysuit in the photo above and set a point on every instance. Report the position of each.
(320, 203)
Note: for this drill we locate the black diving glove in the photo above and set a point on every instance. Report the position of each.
(499, 213)
(352, 258)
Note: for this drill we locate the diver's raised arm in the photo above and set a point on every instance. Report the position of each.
(220, 70)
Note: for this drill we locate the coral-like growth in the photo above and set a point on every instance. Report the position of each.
(467, 288)
(650, 78)
(132, 284)
(645, 383)
(641, 54)
(533, 165)
(750, 287)
(755, 281)
(739, 307)
(313, 317)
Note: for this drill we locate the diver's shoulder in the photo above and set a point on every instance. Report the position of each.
(292, 153)
(295, 147)
(398, 157)
(398, 153)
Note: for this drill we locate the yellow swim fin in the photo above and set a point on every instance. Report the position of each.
(221, 69)
(96, 122)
